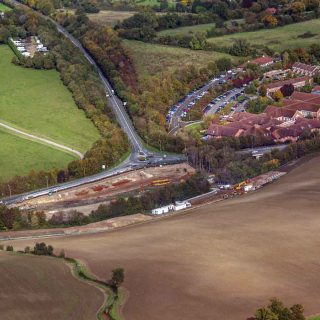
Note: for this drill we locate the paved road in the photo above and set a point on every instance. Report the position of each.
(42, 140)
(263, 150)
(138, 148)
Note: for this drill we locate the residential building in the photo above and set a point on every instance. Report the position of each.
(297, 83)
(262, 62)
(305, 69)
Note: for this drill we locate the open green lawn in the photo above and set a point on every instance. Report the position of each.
(187, 30)
(314, 318)
(280, 38)
(36, 101)
(154, 59)
(19, 156)
(4, 8)
(152, 3)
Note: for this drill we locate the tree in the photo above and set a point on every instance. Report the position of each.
(278, 95)
(263, 90)
(298, 7)
(270, 21)
(287, 89)
(285, 59)
(265, 314)
(241, 47)
(117, 277)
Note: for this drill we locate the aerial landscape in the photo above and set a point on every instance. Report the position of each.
(159, 159)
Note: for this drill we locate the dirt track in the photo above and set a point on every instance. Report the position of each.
(221, 261)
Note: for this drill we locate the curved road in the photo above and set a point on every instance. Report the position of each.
(42, 140)
(138, 148)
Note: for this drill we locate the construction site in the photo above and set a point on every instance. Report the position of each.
(88, 197)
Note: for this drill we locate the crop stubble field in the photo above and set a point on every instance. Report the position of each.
(222, 260)
(37, 288)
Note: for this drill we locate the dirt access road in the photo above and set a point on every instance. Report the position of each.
(220, 261)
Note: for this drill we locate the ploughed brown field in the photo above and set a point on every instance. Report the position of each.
(220, 261)
(38, 288)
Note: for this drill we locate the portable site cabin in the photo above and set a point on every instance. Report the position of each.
(163, 210)
(181, 205)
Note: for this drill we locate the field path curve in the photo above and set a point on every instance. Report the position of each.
(43, 140)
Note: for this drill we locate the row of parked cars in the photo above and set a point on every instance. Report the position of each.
(217, 101)
(197, 94)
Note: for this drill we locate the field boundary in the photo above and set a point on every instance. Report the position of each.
(38, 139)
(113, 301)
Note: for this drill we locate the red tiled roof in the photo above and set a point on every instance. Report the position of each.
(218, 130)
(281, 133)
(238, 116)
(308, 123)
(259, 61)
(303, 96)
(262, 60)
(277, 112)
(305, 67)
(279, 84)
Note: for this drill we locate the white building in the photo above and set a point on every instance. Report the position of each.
(181, 205)
(163, 210)
(172, 207)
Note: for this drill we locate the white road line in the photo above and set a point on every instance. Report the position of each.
(46, 141)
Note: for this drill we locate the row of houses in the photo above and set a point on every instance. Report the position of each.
(298, 67)
(298, 82)
(300, 113)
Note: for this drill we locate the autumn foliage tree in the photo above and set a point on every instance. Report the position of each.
(287, 89)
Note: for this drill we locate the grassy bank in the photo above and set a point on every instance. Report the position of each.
(152, 59)
(4, 8)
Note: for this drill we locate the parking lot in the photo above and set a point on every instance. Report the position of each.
(181, 109)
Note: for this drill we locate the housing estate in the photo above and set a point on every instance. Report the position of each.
(299, 113)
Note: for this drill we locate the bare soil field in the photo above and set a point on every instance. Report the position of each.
(35, 288)
(219, 261)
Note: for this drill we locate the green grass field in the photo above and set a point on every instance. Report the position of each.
(314, 318)
(187, 30)
(4, 8)
(36, 101)
(151, 59)
(279, 38)
(109, 17)
(19, 156)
